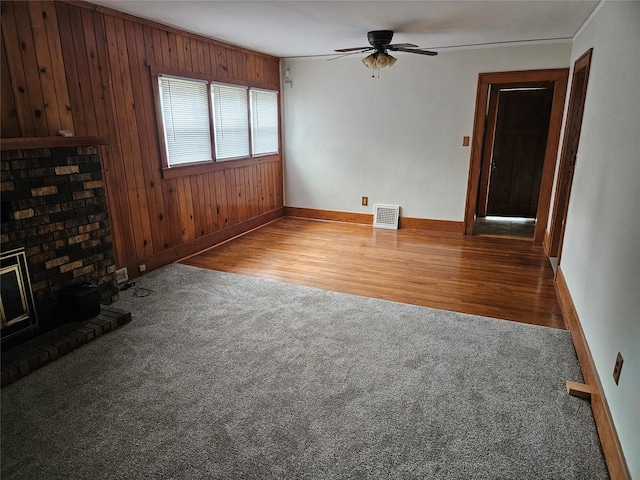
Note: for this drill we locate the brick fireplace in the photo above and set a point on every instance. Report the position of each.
(54, 206)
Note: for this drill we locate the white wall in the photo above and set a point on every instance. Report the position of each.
(601, 252)
(396, 139)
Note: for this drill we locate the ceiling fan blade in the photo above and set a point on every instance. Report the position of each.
(344, 55)
(402, 45)
(411, 50)
(342, 50)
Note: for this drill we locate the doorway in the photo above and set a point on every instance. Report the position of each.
(519, 162)
(513, 156)
(568, 160)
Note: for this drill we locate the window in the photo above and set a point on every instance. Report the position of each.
(185, 115)
(231, 122)
(264, 121)
(204, 121)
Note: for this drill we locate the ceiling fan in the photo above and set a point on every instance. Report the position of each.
(380, 41)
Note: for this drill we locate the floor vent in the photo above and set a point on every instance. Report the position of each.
(386, 216)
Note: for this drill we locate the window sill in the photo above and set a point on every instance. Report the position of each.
(198, 168)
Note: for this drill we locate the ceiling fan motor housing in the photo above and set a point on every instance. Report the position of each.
(380, 39)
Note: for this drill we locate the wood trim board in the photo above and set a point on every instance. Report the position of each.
(26, 143)
(442, 226)
(560, 78)
(330, 215)
(571, 143)
(181, 251)
(545, 242)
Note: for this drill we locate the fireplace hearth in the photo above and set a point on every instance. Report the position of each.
(37, 352)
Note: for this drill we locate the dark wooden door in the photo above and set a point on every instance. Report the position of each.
(520, 141)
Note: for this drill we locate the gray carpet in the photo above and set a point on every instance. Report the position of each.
(225, 376)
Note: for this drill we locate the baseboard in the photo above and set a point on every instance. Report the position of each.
(546, 246)
(613, 454)
(443, 226)
(331, 215)
(174, 254)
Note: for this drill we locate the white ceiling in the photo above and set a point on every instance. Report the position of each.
(298, 28)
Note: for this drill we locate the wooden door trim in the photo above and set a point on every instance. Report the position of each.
(565, 177)
(485, 166)
(559, 78)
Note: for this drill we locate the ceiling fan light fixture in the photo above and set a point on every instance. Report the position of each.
(379, 60)
(370, 61)
(380, 41)
(389, 60)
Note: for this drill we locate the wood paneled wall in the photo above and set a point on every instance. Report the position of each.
(77, 67)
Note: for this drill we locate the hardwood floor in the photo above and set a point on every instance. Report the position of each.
(496, 277)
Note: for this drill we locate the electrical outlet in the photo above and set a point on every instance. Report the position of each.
(142, 267)
(465, 141)
(617, 368)
(365, 201)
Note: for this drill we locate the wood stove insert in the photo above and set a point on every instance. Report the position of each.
(16, 300)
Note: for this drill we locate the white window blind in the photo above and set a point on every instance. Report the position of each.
(264, 121)
(231, 121)
(185, 114)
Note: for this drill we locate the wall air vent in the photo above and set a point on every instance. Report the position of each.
(122, 275)
(386, 216)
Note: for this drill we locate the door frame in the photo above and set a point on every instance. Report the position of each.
(559, 77)
(553, 243)
(487, 150)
